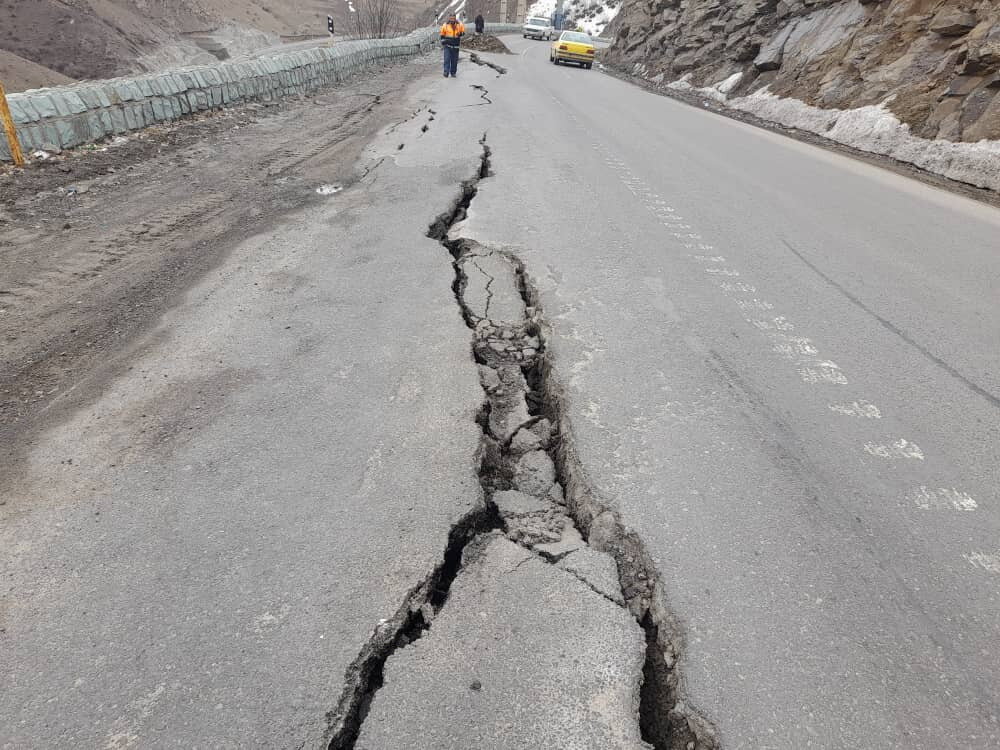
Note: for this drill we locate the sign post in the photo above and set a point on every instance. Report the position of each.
(10, 130)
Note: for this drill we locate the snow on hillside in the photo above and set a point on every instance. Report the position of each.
(455, 6)
(542, 9)
(590, 15)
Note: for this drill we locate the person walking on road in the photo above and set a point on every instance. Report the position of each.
(451, 39)
(480, 24)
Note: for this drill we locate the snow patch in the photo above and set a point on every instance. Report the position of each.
(717, 92)
(542, 9)
(730, 83)
(877, 130)
(455, 6)
(873, 128)
(592, 16)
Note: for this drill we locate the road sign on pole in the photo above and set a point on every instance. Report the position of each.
(8, 125)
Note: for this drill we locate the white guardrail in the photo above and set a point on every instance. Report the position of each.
(86, 112)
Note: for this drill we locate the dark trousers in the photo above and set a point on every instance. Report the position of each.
(450, 61)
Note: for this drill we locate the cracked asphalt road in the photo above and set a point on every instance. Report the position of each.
(197, 544)
(779, 365)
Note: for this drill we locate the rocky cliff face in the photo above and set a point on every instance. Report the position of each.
(935, 64)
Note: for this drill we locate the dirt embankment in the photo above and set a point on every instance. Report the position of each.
(18, 74)
(934, 63)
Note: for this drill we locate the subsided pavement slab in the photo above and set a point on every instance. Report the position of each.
(196, 558)
(490, 289)
(522, 655)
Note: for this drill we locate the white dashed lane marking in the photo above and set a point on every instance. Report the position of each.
(901, 448)
(987, 561)
(862, 409)
(801, 350)
(942, 498)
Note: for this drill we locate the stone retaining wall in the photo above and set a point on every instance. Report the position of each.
(67, 116)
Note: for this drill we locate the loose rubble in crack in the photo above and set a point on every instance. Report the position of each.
(539, 638)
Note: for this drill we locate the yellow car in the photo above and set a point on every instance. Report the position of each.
(573, 46)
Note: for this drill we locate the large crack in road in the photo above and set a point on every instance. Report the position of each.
(535, 495)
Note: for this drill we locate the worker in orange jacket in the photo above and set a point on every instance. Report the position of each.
(451, 39)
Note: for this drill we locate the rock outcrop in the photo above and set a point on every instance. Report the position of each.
(934, 64)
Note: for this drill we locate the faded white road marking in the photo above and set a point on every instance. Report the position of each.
(797, 349)
(864, 409)
(660, 300)
(823, 372)
(793, 347)
(754, 304)
(941, 498)
(737, 287)
(901, 448)
(987, 561)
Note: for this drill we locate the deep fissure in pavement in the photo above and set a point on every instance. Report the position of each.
(473, 57)
(535, 492)
(365, 675)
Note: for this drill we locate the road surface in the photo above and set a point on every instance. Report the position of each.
(780, 371)
(782, 365)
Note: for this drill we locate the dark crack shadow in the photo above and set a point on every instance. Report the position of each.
(666, 721)
(500, 70)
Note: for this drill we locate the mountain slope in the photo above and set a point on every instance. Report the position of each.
(935, 64)
(103, 38)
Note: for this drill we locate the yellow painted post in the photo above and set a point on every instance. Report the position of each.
(8, 126)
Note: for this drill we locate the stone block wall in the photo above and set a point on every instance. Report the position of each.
(85, 112)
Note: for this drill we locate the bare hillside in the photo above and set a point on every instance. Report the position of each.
(102, 38)
(18, 74)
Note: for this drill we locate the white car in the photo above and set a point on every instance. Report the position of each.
(538, 28)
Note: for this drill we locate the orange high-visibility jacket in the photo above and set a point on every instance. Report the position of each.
(451, 34)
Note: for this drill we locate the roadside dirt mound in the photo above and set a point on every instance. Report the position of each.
(934, 63)
(18, 74)
(484, 43)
